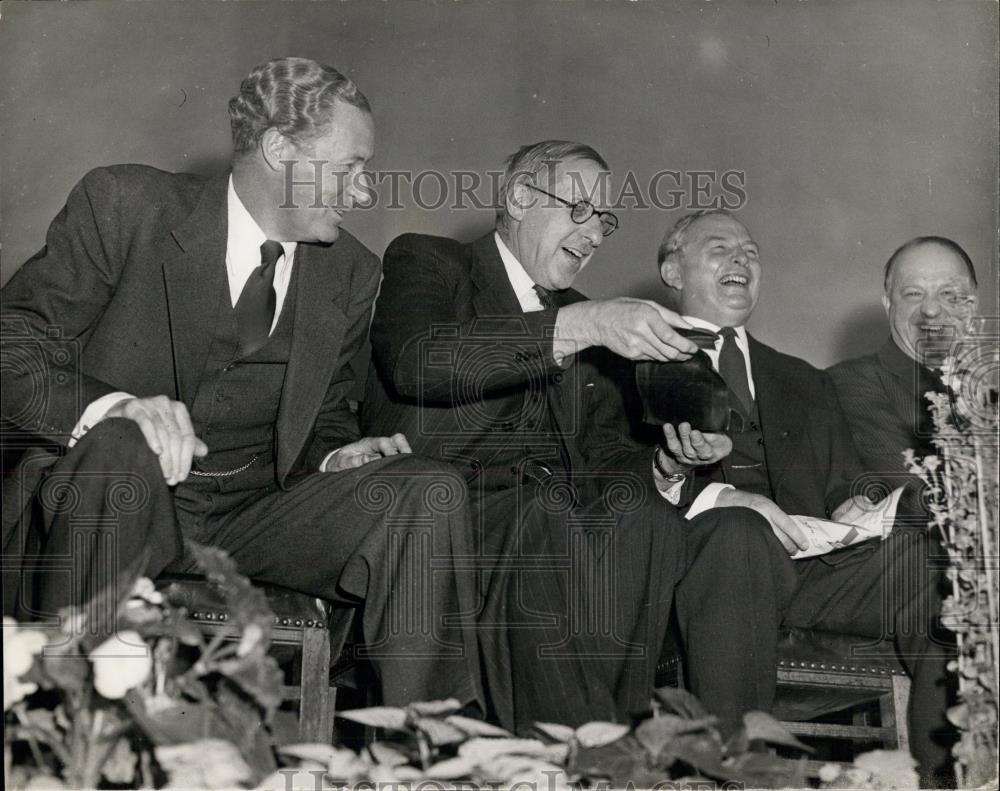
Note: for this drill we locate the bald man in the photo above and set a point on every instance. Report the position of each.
(929, 294)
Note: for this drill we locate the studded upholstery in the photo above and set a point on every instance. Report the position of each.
(820, 673)
(316, 629)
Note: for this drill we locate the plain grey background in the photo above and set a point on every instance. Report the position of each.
(857, 124)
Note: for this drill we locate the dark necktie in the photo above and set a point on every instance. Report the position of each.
(545, 297)
(733, 368)
(255, 307)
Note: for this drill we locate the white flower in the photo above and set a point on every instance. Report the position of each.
(828, 773)
(121, 662)
(252, 635)
(144, 592)
(19, 649)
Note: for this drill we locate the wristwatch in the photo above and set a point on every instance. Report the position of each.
(659, 461)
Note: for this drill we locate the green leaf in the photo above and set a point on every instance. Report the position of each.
(440, 732)
(387, 755)
(701, 751)
(450, 769)
(394, 719)
(480, 749)
(435, 708)
(680, 702)
(245, 603)
(476, 727)
(760, 725)
(258, 675)
(656, 732)
(502, 768)
(68, 671)
(561, 733)
(119, 766)
(309, 751)
(621, 762)
(597, 734)
(762, 770)
(206, 763)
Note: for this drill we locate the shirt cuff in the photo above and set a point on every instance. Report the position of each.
(326, 458)
(95, 412)
(706, 500)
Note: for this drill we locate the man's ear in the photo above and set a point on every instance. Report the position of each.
(670, 272)
(275, 147)
(885, 303)
(519, 198)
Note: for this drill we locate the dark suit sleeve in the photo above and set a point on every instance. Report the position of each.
(880, 433)
(337, 424)
(426, 346)
(615, 439)
(845, 467)
(49, 308)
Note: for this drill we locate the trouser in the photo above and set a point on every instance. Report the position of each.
(742, 587)
(579, 601)
(384, 536)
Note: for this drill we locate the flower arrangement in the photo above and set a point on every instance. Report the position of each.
(156, 704)
(675, 743)
(142, 696)
(962, 490)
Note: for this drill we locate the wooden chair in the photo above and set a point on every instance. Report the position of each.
(316, 631)
(820, 673)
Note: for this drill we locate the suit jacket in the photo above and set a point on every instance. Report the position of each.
(456, 365)
(883, 396)
(811, 459)
(123, 296)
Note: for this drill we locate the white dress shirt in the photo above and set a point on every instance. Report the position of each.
(520, 280)
(243, 240)
(524, 289)
(710, 494)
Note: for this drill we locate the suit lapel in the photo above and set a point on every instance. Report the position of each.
(781, 411)
(195, 282)
(494, 295)
(317, 336)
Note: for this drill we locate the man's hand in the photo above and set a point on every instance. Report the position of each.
(167, 428)
(788, 533)
(638, 329)
(692, 448)
(365, 450)
(852, 509)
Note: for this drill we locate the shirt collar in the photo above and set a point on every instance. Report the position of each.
(741, 332)
(519, 279)
(244, 235)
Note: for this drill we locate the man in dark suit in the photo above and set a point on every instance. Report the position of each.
(792, 454)
(485, 357)
(929, 296)
(214, 322)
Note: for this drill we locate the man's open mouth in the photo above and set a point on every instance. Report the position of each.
(734, 279)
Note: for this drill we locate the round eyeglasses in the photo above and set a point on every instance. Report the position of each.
(583, 210)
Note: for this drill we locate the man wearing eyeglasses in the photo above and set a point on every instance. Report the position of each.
(486, 357)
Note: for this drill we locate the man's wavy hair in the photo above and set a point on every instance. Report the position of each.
(528, 162)
(673, 241)
(296, 96)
